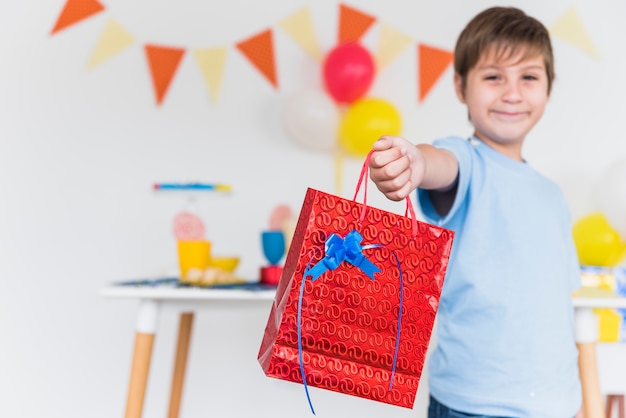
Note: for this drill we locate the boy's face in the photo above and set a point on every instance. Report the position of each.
(505, 98)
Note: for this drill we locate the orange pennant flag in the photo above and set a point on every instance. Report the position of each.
(163, 62)
(259, 50)
(74, 11)
(432, 63)
(353, 24)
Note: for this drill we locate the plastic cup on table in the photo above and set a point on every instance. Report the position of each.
(273, 244)
(193, 258)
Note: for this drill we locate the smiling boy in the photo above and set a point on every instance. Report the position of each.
(505, 337)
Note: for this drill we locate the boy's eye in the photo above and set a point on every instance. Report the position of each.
(530, 77)
(492, 77)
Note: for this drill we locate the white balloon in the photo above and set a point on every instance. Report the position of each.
(612, 196)
(311, 119)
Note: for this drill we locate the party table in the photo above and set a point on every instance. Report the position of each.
(155, 294)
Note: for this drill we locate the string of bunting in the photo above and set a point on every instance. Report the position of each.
(163, 61)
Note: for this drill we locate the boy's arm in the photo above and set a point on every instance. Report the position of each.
(398, 167)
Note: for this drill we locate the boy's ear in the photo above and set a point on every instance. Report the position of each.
(458, 87)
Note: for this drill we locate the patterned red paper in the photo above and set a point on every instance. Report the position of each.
(349, 321)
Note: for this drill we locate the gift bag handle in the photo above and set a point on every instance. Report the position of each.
(363, 180)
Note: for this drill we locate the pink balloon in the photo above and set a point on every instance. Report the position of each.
(348, 72)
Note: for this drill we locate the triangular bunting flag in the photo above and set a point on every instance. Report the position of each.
(259, 50)
(353, 24)
(570, 28)
(432, 63)
(211, 62)
(163, 62)
(113, 39)
(74, 11)
(300, 27)
(390, 44)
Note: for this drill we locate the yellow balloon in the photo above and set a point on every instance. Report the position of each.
(364, 122)
(597, 243)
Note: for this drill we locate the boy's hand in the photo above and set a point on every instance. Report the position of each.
(396, 166)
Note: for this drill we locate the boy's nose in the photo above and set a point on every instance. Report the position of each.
(512, 92)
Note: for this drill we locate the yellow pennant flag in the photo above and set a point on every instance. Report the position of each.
(391, 43)
(300, 27)
(113, 39)
(570, 28)
(212, 62)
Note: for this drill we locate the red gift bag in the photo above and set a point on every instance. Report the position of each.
(356, 303)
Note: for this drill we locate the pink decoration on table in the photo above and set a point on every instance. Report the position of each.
(188, 227)
(280, 215)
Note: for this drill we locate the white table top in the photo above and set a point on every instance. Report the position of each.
(597, 298)
(169, 289)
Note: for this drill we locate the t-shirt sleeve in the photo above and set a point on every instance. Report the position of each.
(462, 151)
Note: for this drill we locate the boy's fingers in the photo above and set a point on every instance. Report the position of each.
(387, 142)
(387, 150)
(392, 176)
(381, 144)
(396, 194)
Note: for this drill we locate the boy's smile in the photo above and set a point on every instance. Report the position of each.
(505, 98)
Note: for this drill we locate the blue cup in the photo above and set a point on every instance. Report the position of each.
(273, 244)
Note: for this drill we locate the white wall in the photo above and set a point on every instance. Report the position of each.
(80, 149)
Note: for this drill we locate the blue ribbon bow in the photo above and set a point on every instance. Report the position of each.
(338, 249)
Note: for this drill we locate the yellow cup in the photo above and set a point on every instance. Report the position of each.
(193, 255)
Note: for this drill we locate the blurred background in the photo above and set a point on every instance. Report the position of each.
(87, 126)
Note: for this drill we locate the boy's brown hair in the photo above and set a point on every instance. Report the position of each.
(506, 30)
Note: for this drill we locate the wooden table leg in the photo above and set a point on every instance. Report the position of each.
(180, 363)
(586, 335)
(610, 401)
(142, 354)
(593, 406)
